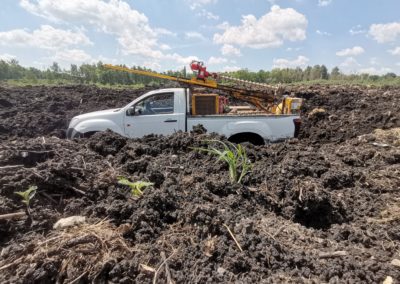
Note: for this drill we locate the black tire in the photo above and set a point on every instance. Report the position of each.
(252, 138)
(85, 135)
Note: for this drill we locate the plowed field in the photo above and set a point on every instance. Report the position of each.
(324, 208)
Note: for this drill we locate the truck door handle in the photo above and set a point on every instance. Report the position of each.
(170, 120)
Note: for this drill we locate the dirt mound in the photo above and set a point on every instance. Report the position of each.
(41, 110)
(309, 211)
(335, 114)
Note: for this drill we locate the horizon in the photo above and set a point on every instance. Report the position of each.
(256, 35)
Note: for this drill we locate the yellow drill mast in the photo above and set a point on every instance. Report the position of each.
(262, 99)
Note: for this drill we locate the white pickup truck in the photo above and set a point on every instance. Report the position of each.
(166, 111)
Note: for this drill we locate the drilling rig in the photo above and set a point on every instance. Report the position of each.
(264, 97)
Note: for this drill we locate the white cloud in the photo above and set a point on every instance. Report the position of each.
(207, 14)
(373, 61)
(72, 56)
(7, 57)
(375, 71)
(216, 60)
(162, 31)
(395, 51)
(356, 30)
(350, 63)
(194, 35)
(153, 65)
(229, 50)
(354, 51)
(165, 47)
(194, 4)
(321, 33)
(293, 49)
(300, 61)
(323, 3)
(230, 68)
(271, 30)
(46, 37)
(272, 2)
(383, 33)
(181, 59)
(130, 27)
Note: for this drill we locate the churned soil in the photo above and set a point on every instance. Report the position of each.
(323, 208)
(41, 110)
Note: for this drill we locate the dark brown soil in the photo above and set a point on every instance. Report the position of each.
(324, 208)
(37, 111)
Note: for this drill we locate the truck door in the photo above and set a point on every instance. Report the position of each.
(153, 115)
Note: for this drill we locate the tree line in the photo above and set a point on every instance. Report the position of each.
(98, 74)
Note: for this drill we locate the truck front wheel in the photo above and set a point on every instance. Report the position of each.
(84, 135)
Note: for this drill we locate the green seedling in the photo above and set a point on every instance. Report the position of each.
(234, 155)
(27, 196)
(136, 187)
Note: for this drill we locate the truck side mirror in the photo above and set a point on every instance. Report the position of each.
(130, 111)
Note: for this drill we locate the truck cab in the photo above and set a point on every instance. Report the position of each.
(160, 112)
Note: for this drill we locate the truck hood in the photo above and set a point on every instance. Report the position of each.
(103, 114)
(95, 114)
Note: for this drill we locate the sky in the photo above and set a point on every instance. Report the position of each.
(358, 36)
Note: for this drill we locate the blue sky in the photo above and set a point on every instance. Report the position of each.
(357, 36)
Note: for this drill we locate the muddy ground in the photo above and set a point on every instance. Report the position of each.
(324, 208)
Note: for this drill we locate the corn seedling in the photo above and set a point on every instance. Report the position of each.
(136, 187)
(234, 155)
(27, 196)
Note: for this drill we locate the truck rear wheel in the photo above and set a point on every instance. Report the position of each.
(250, 137)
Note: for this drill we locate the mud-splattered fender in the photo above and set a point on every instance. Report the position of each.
(97, 125)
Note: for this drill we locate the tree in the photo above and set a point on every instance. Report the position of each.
(4, 70)
(31, 74)
(307, 73)
(390, 75)
(316, 72)
(55, 68)
(92, 73)
(335, 73)
(74, 70)
(324, 73)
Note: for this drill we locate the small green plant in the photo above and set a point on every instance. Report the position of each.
(234, 155)
(27, 196)
(136, 187)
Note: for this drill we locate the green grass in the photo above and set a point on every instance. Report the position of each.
(234, 156)
(380, 82)
(27, 196)
(62, 82)
(136, 187)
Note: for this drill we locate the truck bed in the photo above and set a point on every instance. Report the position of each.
(269, 126)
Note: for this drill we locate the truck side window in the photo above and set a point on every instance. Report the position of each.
(157, 104)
